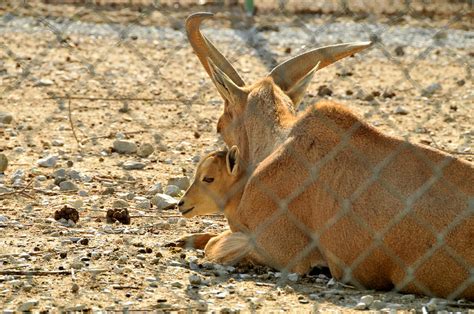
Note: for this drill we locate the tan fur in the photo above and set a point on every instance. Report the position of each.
(380, 212)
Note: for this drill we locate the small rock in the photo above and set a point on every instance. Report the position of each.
(133, 165)
(360, 306)
(57, 142)
(367, 299)
(158, 138)
(323, 90)
(163, 201)
(155, 188)
(3, 163)
(6, 117)
(68, 186)
(119, 203)
(181, 182)
(431, 89)
(378, 305)
(48, 162)
(177, 284)
(172, 190)
(459, 83)
(401, 110)
(75, 288)
(124, 147)
(195, 280)
(77, 265)
(145, 150)
(369, 97)
(293, 277)
(143, 203)
(28, 305)
(59, 173)
(43, 82)
(399, 51)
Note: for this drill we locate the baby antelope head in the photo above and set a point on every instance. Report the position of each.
(213, 184)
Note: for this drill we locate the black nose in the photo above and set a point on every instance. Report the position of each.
(181, 203)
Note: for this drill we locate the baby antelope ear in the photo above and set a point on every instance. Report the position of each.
(233, 160)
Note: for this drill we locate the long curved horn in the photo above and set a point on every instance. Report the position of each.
(205, 49)
(290, 72)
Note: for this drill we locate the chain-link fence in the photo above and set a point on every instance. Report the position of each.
(381, 213)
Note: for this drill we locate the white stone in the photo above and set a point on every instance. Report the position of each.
(48, 162)
(133, 165)
(172, 190)
(163, 201)
(293, 277)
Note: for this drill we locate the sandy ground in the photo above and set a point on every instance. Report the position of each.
(72, 69)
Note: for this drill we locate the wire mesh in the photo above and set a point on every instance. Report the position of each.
(144, 70)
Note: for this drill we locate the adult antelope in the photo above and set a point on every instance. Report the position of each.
(382, 213)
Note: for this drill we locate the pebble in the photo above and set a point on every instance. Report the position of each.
(195, 280)
(75, 288)
(378, 305)
(57, 142)
(68, 186)
(172, 190)
(77, 265)
(28, 305)
(48, 162)
(145, 150)
(181, 182)
(133, 165)
(124, 147)
(119, 203)
(163, 201)
(431, 89)
(177, 284)
(3, 218)
(59, 173)
(3, 163)
(6, 117)
(43, 82)
(142, 203)
(367, 299)
(401, 110)
(293, 277)
(360, 306)
(155, 188)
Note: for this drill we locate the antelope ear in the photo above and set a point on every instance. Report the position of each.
(226, 87)
(233, 161)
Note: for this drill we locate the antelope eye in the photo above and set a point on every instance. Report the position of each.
(208, 179)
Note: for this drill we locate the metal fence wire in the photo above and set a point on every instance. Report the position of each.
(146, 72)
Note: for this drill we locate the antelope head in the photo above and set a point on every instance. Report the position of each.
(251, 111)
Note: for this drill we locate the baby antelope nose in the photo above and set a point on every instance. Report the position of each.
(181, 203)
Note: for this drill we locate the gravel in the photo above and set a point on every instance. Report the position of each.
(181, 182)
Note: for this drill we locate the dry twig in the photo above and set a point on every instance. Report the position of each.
(72, 124)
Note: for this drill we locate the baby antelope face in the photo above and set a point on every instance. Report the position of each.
(212, 185)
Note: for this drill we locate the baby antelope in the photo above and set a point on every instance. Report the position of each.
(217, 188)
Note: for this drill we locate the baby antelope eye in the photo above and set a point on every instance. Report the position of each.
(208, 179)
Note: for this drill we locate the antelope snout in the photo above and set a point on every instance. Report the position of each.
(184, 208)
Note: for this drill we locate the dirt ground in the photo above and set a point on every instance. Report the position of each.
(72, 93)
